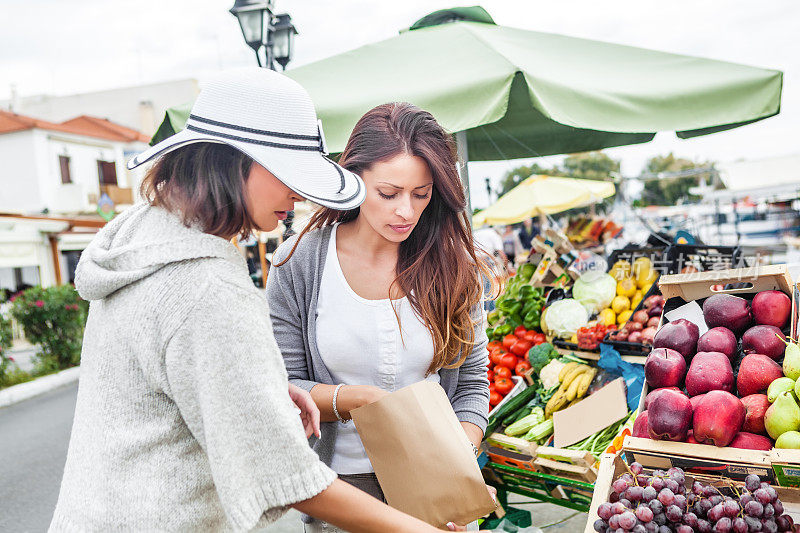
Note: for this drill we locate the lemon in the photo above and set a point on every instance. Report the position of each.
(626, 287)
(642, 264)
(620, 304)
(647, 279)
(607, 317)
(620, 270)
(636, 299)
(623, 317)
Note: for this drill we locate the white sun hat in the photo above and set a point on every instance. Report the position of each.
(271, 118)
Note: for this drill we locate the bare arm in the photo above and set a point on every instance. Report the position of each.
(474, 433)
(350, 397)
(353, 510)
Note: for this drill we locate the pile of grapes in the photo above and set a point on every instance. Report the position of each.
(661, 503)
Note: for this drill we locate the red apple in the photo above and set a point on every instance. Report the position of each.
(771, 308)
(767, 340)
(709, 371)
(653, 394)
(750, 441)
(690, 439)
(756, 406)
(640, 427)
(756, 372)
(727, 310)
(696, 400)
(679, 335)
(664, 367)
(670, 416)
(718, 340)
(718, 418)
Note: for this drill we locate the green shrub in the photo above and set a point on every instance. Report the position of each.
(52, 318)
(5, 344)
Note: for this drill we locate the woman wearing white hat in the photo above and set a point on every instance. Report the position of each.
(183, 422)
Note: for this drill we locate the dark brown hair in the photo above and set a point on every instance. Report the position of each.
(437, 268)
(204, 184)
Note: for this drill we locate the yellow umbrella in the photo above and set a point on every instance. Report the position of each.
(543, 195)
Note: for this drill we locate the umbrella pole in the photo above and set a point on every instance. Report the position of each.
(463, 158)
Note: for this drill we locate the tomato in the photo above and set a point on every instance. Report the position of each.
(521, 347)
(509, 340)
(530, 336)
(503, 385)
(496, 355)
(502, 372)
(492, 387)
(494, 344)
(521, 367)
(520, 331)
(509, 361)
(495, 398)
(490, 375)
(539, 338)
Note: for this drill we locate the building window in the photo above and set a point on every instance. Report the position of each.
(107, 172)
(63, 162)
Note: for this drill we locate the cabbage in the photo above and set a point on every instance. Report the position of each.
(595, 290)
(565, 317)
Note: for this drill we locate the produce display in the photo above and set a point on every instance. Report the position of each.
(663, 502)
(520, 305)
(584, 230)
(634, 281)
(726, 387)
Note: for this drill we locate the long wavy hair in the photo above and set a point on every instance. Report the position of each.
(437, 266)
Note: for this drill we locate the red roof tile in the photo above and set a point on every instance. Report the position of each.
(98, 128)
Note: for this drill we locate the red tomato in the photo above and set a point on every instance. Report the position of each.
(521, 347)
(503, 385)
(509, 340)
(539, 339)
(520, 331)
(508, 361)
(495, 398)
(502, 372)
(496, 355)
(530, 336)
(522, 366)
(492, 345)
(490, 375)
(492, 387)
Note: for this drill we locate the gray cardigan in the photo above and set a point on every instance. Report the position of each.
(293, 290)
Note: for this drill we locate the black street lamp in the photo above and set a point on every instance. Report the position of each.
(261, 28)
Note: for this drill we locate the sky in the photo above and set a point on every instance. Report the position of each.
(57, 47)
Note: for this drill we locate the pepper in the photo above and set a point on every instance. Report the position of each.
(532, 324)
(526, 292)
(493, 317)
(502, 331)
(510, 307)
(526, 271)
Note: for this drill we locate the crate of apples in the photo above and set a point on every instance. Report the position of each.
(507, 358)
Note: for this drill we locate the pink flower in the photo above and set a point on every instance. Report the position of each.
(13, 298)
(39, 303)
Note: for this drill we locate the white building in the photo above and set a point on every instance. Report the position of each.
(65, 167)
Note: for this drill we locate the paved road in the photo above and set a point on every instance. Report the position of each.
(34, 436)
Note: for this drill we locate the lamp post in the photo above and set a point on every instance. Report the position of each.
(488, 191)
(261, 28)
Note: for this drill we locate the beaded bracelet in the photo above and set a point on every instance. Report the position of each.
(335, 410)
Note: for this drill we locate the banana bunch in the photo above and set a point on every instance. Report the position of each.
(575, 379)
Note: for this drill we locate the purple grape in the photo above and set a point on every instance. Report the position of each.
(657, 483)
(626, 502)
(664, 529)
(619, 530)
(600, 525)
(772, 493)
(716, 513)
(666, 497)
(723, 525)
(697, 488)
(716, 499)
(778, 506)
(627, 520)
(763, 485)
(649, 493)
(752, 482)
(627, 478)
(660, 519)
(684, 529)
(703, 526)
(769, 511)
(636, 468)
(674, 514)
(656, 506)
(739, 525)
(613, 497)
(644, 513)
(710, 491)
(754, 509)
(678, 477)
(613, 522)
(634, 494)
(642, 480)
(690, 519)
(705, 506)
(730, 508)
(753, 524)
(763, 496)
(769, 526)
(680, 501)
(620, 486)
(639, 528)
(671, 484)
(651, 527)
(744, 498)
(618, 508)
(783, 523)
(691, 498)
(604, 511)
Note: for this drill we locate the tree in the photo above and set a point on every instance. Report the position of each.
(670, 190)
(587, 165)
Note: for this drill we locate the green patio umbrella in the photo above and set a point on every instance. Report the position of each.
(515, 93)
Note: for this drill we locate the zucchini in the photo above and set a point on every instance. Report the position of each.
(509, 407)
(516, 417)
(526, 424)
(540, 430)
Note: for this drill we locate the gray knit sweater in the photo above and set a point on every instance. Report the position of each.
(183, 420)
(293, 292)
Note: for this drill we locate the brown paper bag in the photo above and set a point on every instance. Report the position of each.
(422, 456)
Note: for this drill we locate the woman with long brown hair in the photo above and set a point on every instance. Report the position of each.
(369, 300)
